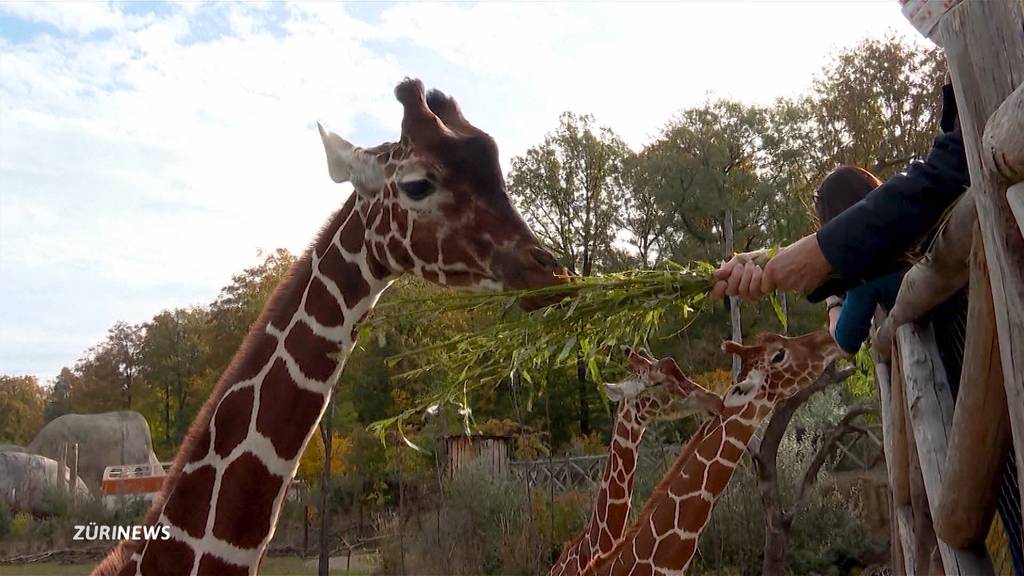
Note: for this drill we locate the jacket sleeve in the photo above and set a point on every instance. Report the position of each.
(869, 238)
(898, 214)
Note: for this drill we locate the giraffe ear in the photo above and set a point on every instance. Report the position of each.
(730, 347)
(627, 389)
(346, 163)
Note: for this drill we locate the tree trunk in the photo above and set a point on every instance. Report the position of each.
(167, 414)
(581, 368)
(776, 541)
(327, 435)
(734, 302)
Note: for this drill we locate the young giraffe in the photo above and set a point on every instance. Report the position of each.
(434, 205)
(661, 392)
(664, 538)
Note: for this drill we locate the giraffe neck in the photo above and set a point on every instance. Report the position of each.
(610, 512)
(664, 538)
(225, 490)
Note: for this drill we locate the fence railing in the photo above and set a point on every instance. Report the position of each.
(943, 461)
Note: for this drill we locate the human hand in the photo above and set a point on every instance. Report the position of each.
(740, 276)
(799, 267)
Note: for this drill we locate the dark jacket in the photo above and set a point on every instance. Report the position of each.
(871, 238)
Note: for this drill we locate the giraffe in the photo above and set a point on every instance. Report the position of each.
(661, 392)
(434, 205)
(664, 538)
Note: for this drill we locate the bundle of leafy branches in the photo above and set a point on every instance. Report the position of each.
(595, 317)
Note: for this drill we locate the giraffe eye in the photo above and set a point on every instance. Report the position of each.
(417, 189)
(778, 357)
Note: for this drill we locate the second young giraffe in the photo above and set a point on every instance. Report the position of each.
(664, 538)
(659, 391)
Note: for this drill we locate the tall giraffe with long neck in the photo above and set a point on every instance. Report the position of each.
(658, 391)
(664, 538)
(434, 205)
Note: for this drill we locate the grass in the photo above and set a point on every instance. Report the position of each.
(278, 566)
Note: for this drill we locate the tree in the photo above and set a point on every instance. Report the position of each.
(21, 409)
(58, 397)
(643, 213)
(877, 104)
(238, 306)
(568, 189)
(124, 343)
(172, 352)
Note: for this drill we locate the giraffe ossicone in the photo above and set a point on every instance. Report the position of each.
(434, 205)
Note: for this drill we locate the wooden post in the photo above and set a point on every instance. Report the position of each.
(73, 473)
(327, 435)
(930, 411)
(734, 302)
(885, 396)
(985, 51)
(62, 469)
(977, 450)
(1015, 198)
(1003, 141)
(900, 453)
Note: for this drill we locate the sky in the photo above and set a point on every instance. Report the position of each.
(148, 151)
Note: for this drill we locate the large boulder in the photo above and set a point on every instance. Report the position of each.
(109, 439)
(25, 480)
(11, 448)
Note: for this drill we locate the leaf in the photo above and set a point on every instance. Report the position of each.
(569, 344)
(777, 306)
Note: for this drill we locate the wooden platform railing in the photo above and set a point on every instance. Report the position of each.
(943, 464)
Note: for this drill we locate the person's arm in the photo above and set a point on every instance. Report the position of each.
(854, 320)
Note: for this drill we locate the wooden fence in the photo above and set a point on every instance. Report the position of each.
(859, 453)
(943, 462)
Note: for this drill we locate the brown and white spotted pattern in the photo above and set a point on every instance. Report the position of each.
(664, 538)
(433, 205)
(660, 391)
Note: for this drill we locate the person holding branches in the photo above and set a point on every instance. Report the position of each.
(859, 253)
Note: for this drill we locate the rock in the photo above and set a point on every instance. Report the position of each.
(109, 439)
(25, 480)
(11, 448)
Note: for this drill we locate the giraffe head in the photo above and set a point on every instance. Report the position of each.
(660, 390)
(435, 204)
(776, 367)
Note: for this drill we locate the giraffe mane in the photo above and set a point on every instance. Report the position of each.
(275, 303)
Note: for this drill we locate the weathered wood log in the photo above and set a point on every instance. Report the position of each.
(930, 412)
(942, 271)
(898, 477)
(895, 465)
(985, 51)
(1003, 141)
(925, 542)
(904, 519)
(978, 447)
(1015, 198)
